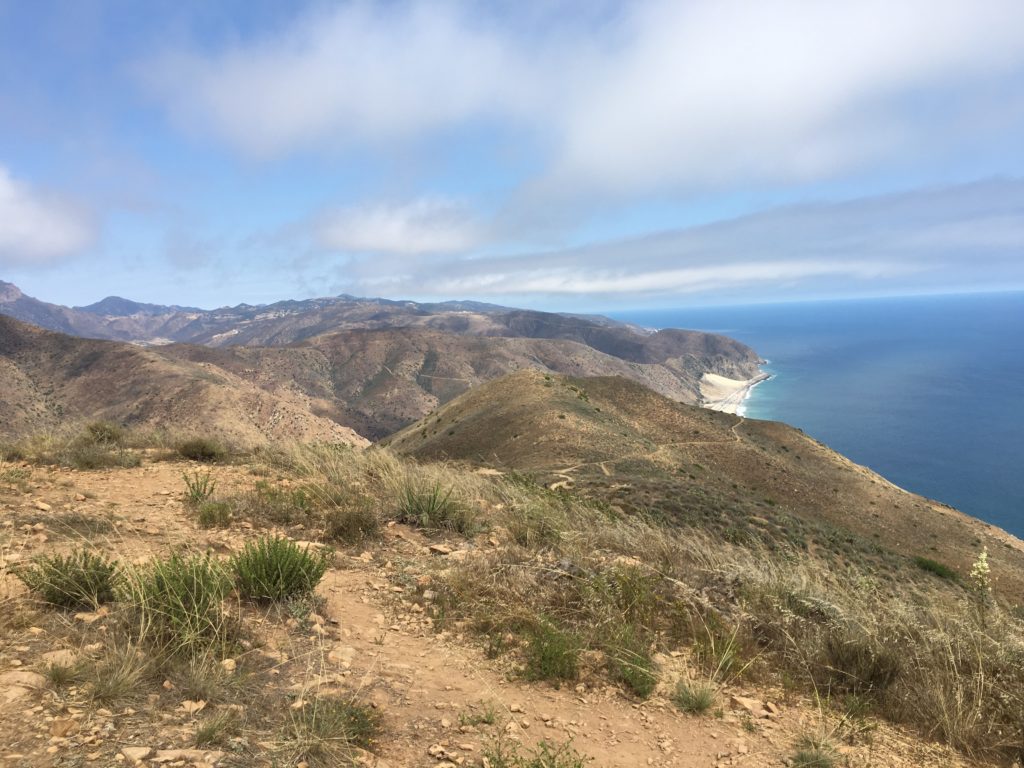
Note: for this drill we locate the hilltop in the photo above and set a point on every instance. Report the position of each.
(747, 480)
(52, 381)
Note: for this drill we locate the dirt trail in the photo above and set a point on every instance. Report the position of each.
(433, 688)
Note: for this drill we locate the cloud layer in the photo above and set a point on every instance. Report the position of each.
(38, 228)
(663, 94)
(426, 225)
(968, 237)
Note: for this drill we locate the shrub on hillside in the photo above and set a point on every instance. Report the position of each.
(273, 569)
(79, 580)
(179, 603)
(202, 449)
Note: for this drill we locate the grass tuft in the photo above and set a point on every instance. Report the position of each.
(202, 449)
(506, 753)
(81, 579)
(179, 604)
(552, 654)
(327, 731)
(693, 698)
(274, 569)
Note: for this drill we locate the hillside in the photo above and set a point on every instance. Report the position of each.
(744, 479)
(51, 381)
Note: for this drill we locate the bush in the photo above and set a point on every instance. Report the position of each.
(202, 449)
(814, 753)
(179, 602)
(352, 523)
(552, 654)
(214, 514)
(858, 665)
(937, 568)
(327, 732)
(85, 453)
(630, 662)
(199, 487)
(272, 569)
(428, 505)
(105, 433)
(693, 698)
(79, 580)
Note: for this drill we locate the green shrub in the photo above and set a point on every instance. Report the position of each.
(272, 569)
(327, 732)
(84, 453)
(428, 505)
(352, 523)
(552, 654)
(272, 504)
(180, 603)
(937, 568)
(214, 514)
(202, 449)
(693, 698)
(199, 487)
(79, 580)
(630, 663)
(858, 665)
(105, 433)
(814, 753)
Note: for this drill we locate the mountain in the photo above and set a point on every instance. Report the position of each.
(375, 365)
(380, 380)
(115, 306)
(752, 481)
(51, 380)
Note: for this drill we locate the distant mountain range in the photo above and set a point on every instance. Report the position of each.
(371, 365)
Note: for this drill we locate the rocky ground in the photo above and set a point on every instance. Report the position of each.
(442, 700)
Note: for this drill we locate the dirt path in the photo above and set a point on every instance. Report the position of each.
(436, 690)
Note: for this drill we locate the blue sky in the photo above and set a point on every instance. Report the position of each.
(566, 155)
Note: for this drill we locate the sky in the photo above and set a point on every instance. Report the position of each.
(560, 155)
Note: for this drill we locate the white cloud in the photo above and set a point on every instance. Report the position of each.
(667, 94)
(355, 73)
(966, 237)
(427, 225)
(37, 228)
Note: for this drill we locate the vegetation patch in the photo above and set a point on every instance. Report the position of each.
(694, 698)
(936, 568)
(178, 603)
(202, 449)
(327, 731)
(274, 569)
(81, 579)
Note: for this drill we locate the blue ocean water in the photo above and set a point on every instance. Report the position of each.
(929, 392)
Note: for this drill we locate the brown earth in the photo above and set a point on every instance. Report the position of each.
(631, 447)
(374, 640)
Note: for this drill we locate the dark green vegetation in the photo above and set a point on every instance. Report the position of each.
(81, 579)
(510, 754)
(273, 568)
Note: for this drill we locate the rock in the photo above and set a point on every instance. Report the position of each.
(43, 506)
(440, 549)
(22, 678)
(64, 727)
(753, 706)
(138, 754)
(229, 665)
(193, 707)
(63, 657)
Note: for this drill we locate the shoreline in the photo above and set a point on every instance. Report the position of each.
(720, 393)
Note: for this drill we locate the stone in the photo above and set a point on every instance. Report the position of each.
(440, 549)
(43, 506)
(63, 727)
(63, 657)
(138, 754)
(753, 706)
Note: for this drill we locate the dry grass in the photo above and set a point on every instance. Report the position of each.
(928, 656)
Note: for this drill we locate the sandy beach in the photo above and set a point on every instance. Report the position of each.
(720, 393)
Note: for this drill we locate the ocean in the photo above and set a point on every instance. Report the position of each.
(926, 391)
